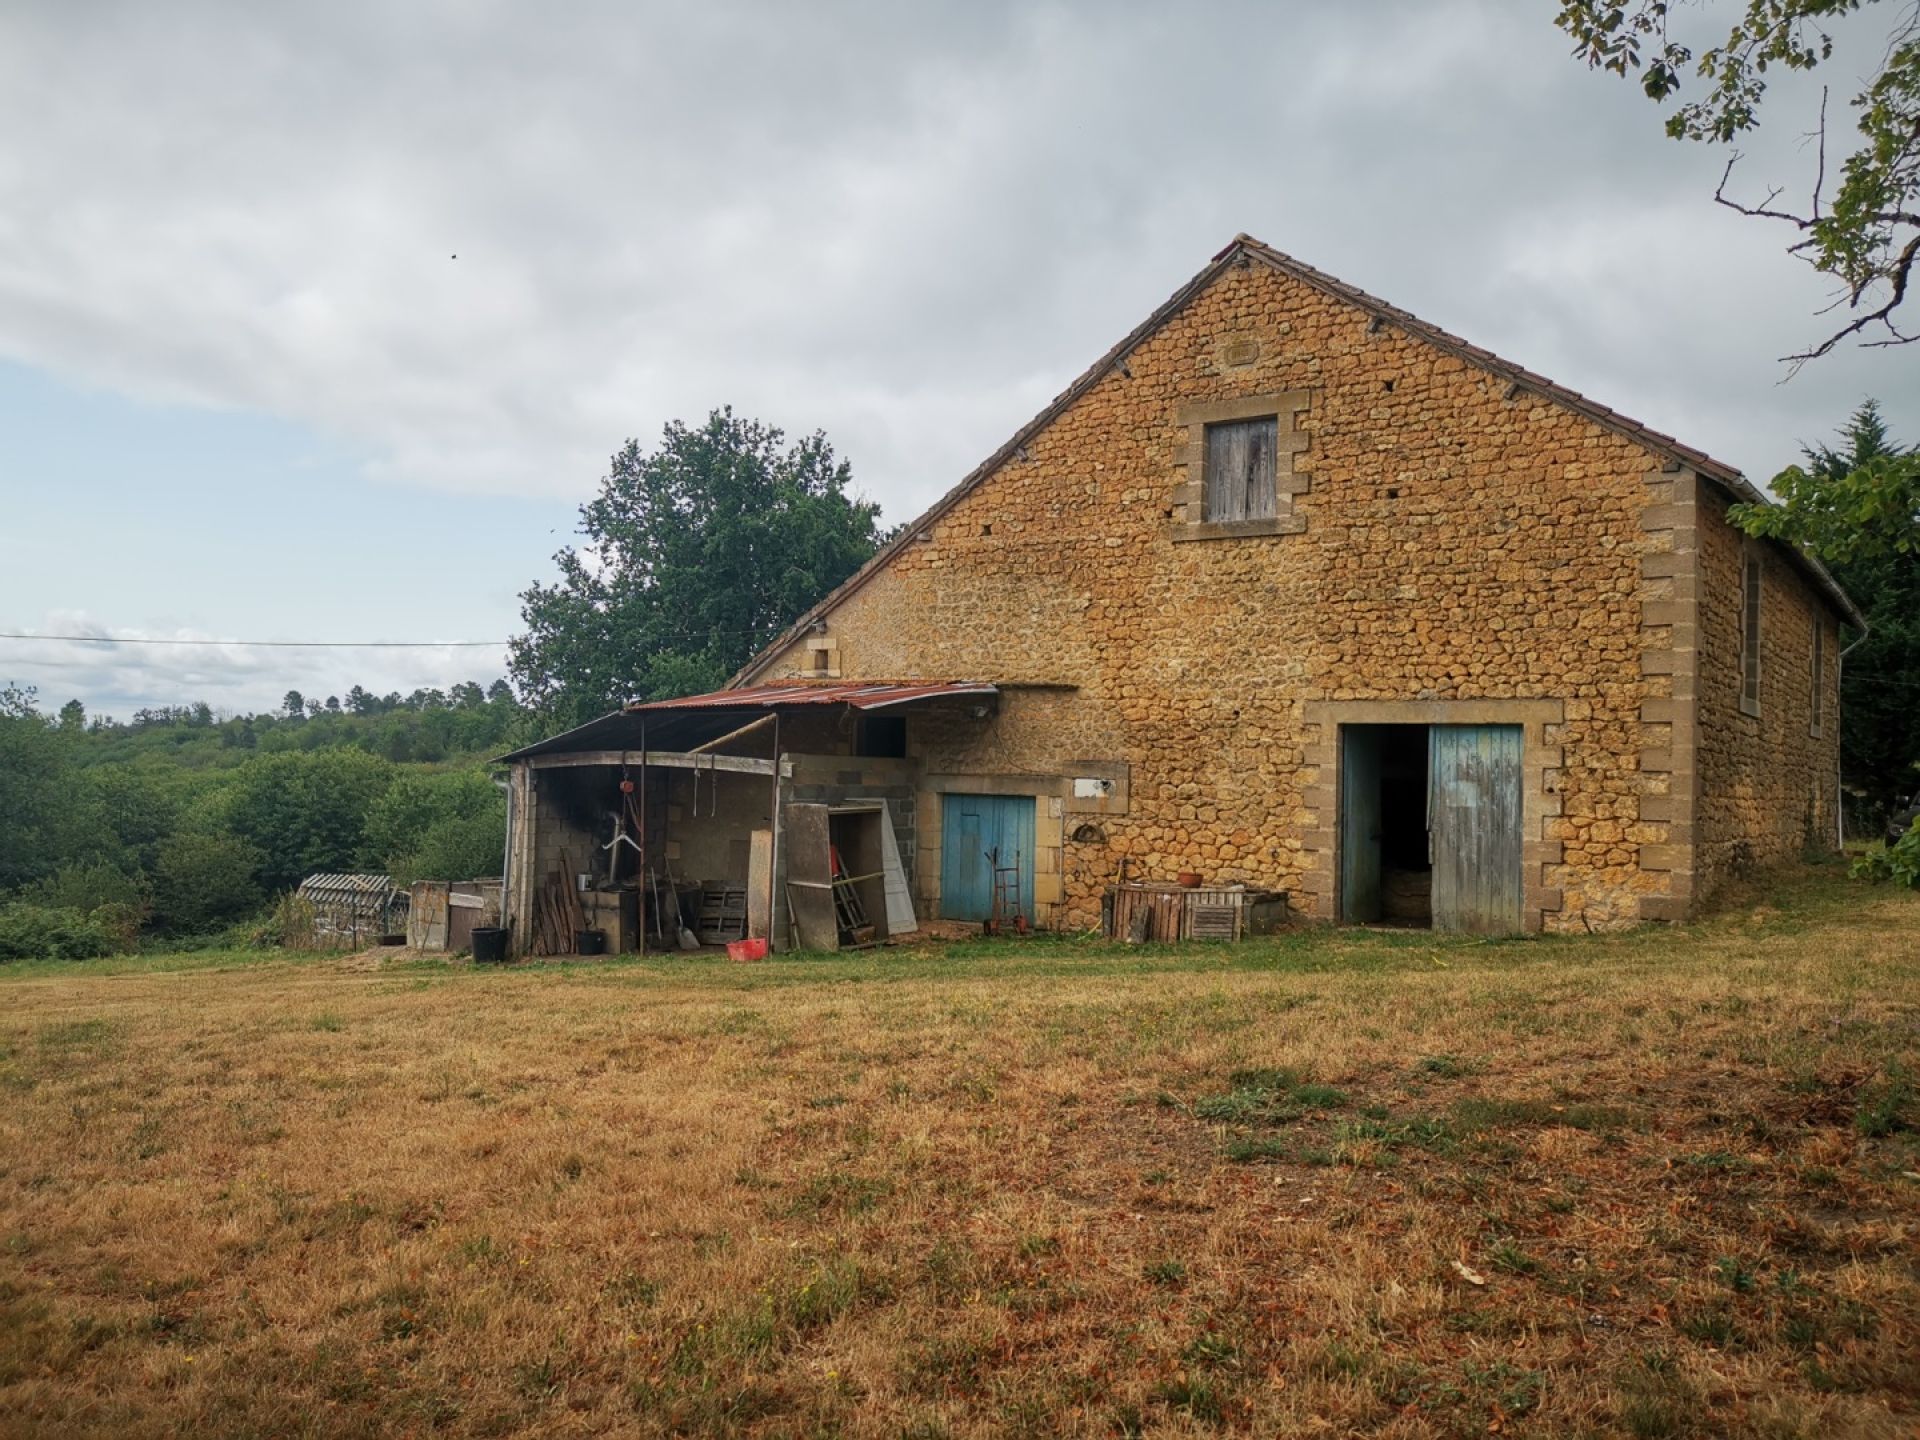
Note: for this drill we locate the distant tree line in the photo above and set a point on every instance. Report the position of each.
(185, 821)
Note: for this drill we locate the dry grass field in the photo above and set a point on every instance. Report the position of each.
(1662, 1184)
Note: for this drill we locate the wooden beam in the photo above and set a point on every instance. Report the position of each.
(734, 734)
(672, 759)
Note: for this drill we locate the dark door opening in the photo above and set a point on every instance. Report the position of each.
(1386, 871)
(1430, 824)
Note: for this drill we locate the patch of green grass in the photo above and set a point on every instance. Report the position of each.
(1245, 1149)
(1212, 1350)
(1723, 1160)
(1267, 1080)
(839, 1192)
(1656, 1402)
(72, 1034)
(1166, 1272)
(1420, 1133)
(1512, 1259)
(1736, 1274)
(1710, 1325)
(1885, 1106)
(1481, 1113)
(1199, 1398)
(327, 1021)
(1318, 1097)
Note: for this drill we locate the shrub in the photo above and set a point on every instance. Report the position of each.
(464, 848)
(203, 880)
(1899, 863)
(288, 923)
(438, 827)
(59, 932)
(306, 813)
(87, 885)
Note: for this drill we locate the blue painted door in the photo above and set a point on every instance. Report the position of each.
(972, 826)
(1473, 826)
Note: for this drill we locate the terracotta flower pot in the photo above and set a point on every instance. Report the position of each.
(1190, 879)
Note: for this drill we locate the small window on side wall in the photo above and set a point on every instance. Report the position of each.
(1750, 587)
(1240, 470)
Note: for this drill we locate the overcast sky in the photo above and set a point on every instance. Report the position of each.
(246, 390)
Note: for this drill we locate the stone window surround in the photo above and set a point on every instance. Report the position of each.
(814, 645)
(1049, 833)
(1540, 760)
(1285, 407)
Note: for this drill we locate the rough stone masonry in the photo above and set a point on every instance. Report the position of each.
(1458, 541)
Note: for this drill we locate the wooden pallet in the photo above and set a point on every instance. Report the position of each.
(723, 915)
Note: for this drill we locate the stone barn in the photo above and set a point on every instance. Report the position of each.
(1293, 591)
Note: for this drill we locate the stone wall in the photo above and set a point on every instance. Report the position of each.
(1450, 537)
(1767, 782)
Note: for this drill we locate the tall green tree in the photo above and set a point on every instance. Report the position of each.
(32, 772)
(1856, 505)
(438, 826)
(305, 812)
(695, 555)
(1864, 231)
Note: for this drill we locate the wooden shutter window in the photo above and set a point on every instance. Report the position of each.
(1750, 636)
(1240, 470)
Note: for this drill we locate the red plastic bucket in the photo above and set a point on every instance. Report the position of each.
(754, 949)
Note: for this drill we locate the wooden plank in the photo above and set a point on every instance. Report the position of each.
(760, 883)
(805, 835)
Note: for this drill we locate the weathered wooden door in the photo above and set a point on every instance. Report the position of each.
(1359, 823)
(970, 827)
(1473, 818)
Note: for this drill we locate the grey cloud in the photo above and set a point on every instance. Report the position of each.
(120, 679)
(907, 225)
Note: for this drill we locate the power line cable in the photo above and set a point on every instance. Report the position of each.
(266, 644)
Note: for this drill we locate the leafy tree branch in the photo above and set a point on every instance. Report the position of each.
(1866, 234)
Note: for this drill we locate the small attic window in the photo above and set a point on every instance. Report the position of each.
(1241, 470)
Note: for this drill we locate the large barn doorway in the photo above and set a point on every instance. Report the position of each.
(1430, 826)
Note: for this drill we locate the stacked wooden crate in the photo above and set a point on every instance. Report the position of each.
(1150, 910)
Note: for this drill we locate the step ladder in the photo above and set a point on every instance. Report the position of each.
(849, 912)
(1007, 907)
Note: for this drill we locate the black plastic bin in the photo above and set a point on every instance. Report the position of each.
(489, 945)
(589, 942)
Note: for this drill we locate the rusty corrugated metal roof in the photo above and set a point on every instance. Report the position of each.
(862, 695)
